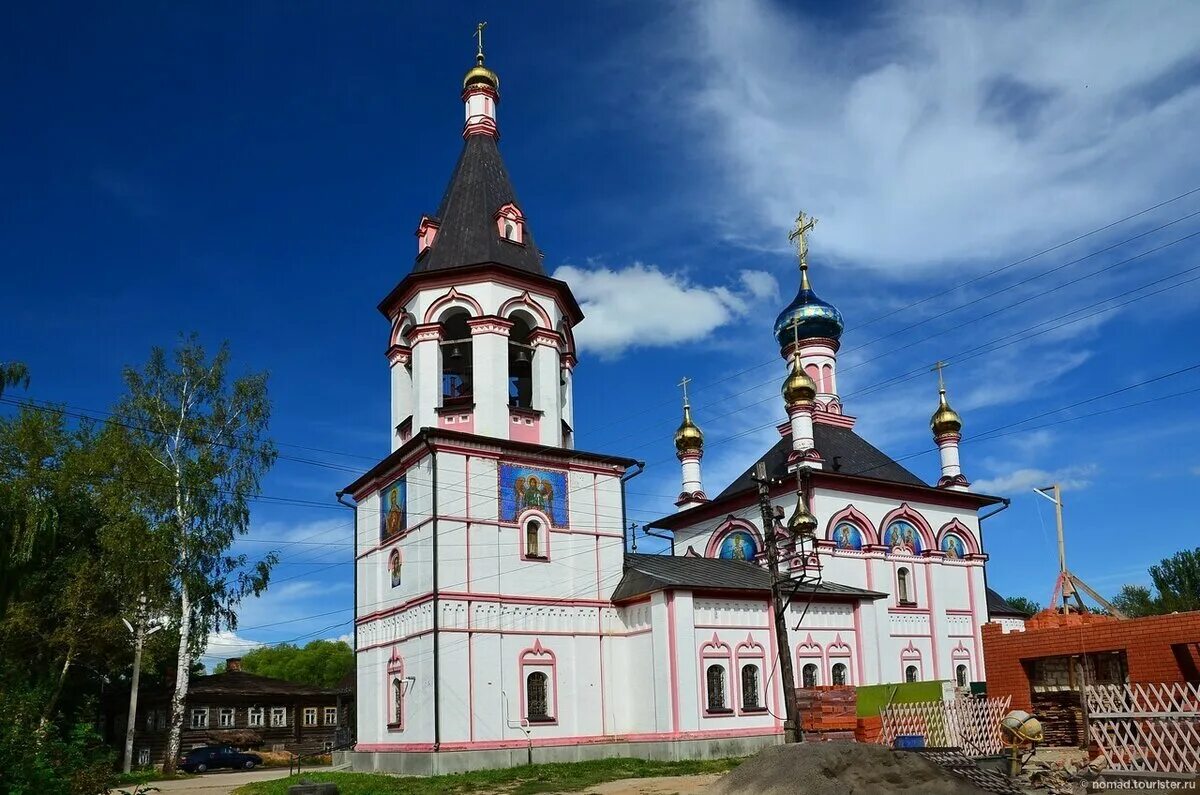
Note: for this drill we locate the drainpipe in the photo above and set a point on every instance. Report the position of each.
(1004, 506)
(341, 498)
(437, 655)
(628, 476)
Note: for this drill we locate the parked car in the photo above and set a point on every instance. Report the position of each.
(211, 757)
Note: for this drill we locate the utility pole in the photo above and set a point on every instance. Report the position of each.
(791, 724)
(140, 633)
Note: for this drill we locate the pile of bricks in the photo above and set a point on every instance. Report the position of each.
(828, 712)
(869, 729)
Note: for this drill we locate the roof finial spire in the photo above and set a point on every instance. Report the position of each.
(479, 35)
(938, 366)
(684, 384)
(799, 237)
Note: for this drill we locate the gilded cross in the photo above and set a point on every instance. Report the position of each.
(939, 366)
(684, 384)
(799, 236)
(479, 34)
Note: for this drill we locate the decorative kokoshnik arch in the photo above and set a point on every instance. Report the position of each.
(956, 540)
(735, 539)
(856, 519)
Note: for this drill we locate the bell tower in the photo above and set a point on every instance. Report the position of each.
(481, 337)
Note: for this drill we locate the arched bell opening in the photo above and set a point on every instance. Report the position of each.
(520, 361)
(457, 358)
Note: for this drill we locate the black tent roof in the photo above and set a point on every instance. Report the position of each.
(844, 451)
(467, 233)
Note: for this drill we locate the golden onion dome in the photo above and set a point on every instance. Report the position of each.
(799, 389)
(689, 438)
(481, 74)
(945, 420)
(802, 523)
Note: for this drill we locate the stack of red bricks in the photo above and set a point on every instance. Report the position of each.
(869, 729)
(828, 712)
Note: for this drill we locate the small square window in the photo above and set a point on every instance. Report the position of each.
(331, 716)
(200, 718)
(278, 717)
(310, 716)
(143, 757)
(254, 716)
(227, 717)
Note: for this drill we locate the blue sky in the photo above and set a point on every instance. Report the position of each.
(255, 173)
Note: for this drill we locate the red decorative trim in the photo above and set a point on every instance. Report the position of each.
(435, 309)
(870, 536)
(402, 323)
(490, 324)
(399, 354)
(908, 655)
(525, 300)
(483, 272)
(395, 671)
(537, 657)
(789, 350)
(825, 417)
(912, 516)
(971, 546)
(956, 481)
(674, 663)
(523, 519)
(710, 653)
(754, 653)
(731, 524)
(841, 650)
(690, 498)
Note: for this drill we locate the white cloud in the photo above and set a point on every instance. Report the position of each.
(642, 306)
(1072, 478)
(936, 133)
(220, 646)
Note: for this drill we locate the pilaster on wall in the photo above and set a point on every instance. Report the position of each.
(426, 376)
(489, 344)
(399, 359)
(546, 389)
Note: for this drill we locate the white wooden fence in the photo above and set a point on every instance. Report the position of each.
(1146, 728)
(972, 724)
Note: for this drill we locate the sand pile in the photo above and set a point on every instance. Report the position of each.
(839, 768)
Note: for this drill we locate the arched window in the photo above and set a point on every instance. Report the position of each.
(520, 362)
(838, 674)
(750, 687)
(910, 673)
(394, 566)
(536, 706)
(715, 679)
(533, 539)
(509, 230)
(808, 675)
(457, 358)
(395, 692)
(904, 593)
(960, 675)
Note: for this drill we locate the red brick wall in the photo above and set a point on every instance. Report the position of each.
(1146, 642)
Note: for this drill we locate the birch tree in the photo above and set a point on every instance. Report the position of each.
(197, 451)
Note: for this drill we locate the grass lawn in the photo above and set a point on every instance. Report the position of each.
(526, 780)
(147, 775)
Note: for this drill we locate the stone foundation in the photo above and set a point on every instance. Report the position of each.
(432, 764)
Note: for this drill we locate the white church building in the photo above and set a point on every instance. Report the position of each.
(499, 616)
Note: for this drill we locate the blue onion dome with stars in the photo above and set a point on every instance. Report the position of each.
(807, 316)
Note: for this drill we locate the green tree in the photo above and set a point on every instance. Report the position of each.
(1177, 580)
(323, 663)
(1024, 604)
(1136, 601)
(13, 374)
(195, 453)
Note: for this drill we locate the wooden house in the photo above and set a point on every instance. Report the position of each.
(245, 710)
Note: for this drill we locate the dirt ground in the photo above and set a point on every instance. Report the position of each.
(667, 785)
